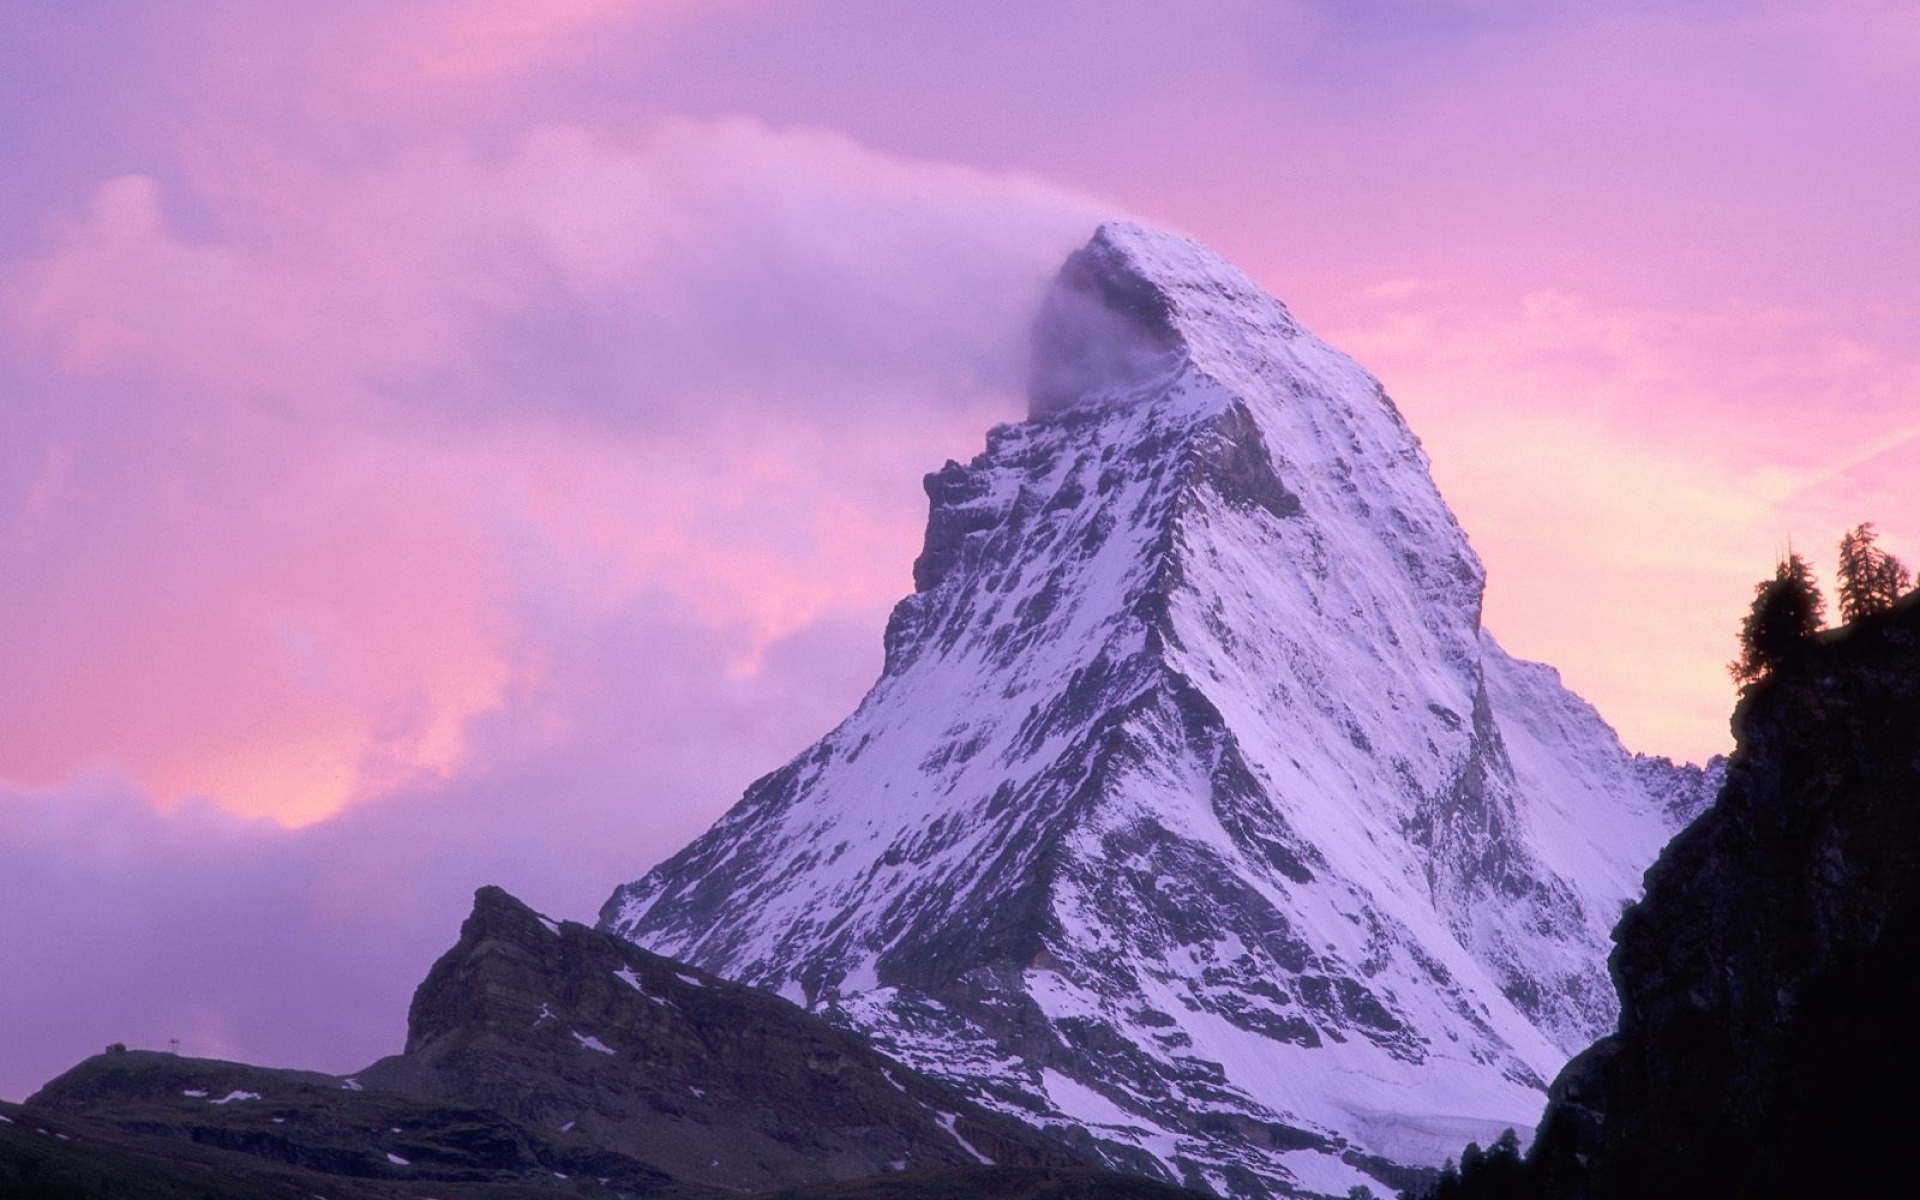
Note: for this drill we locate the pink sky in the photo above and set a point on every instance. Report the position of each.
(451, 443)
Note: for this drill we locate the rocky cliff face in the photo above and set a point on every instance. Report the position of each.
(1194, 810)
(560, 1026)
(1769, 981)
(551, 1058)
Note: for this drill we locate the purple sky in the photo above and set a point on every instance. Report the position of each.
(450, 443)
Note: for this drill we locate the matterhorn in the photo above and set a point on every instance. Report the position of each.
(1194, 814)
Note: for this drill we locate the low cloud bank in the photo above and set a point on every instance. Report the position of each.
(247, 940)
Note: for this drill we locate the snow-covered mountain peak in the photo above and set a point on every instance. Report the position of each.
(1136, 302)
(1200, 294)
(1159, 340)
(1193, 806)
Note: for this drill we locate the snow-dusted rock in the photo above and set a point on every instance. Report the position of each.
(1193, 807)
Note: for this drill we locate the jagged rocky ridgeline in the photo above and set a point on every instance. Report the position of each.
(1768, 1045)
(545, 1059)
(1194, 808)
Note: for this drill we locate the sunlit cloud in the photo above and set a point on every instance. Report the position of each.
(575, 372)
(1538, 418)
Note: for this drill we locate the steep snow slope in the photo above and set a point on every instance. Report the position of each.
(1193, 806)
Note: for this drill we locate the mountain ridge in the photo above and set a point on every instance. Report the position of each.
(1182, 812)
(544, 1060)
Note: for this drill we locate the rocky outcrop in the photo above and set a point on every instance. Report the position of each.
(563, 1027)
(544, 1057)
(1769, 980)
(1683, 789)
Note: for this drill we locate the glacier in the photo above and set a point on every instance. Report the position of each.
(1194, 812)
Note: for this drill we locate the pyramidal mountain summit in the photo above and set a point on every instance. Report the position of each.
(1194, 814)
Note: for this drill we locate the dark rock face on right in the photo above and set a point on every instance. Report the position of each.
(1769, 1040)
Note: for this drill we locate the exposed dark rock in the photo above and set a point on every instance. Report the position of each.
(715, 1083)
(1684, 789)
(48, 1155)
(996, 1183)
(1770, 979)
(1236, 463)
(285, 1130)
(542, 1058)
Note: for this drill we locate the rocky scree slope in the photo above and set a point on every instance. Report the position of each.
(1194, 812)
(1767, 1043)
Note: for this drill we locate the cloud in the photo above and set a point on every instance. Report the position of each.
(301, 947)
(330, 465)
(489, 515)
(573, 275)
(1627, 473)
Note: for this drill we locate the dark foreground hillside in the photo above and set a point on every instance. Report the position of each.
(53, 1158)
(544, 1060)
(1769, 1039)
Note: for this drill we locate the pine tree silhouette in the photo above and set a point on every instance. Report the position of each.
(1870, 579)
(1787, 611)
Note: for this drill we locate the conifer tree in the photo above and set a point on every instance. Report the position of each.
(1506, 1147)
(1787, 611)
(1472, 1159)
(1870, 579)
